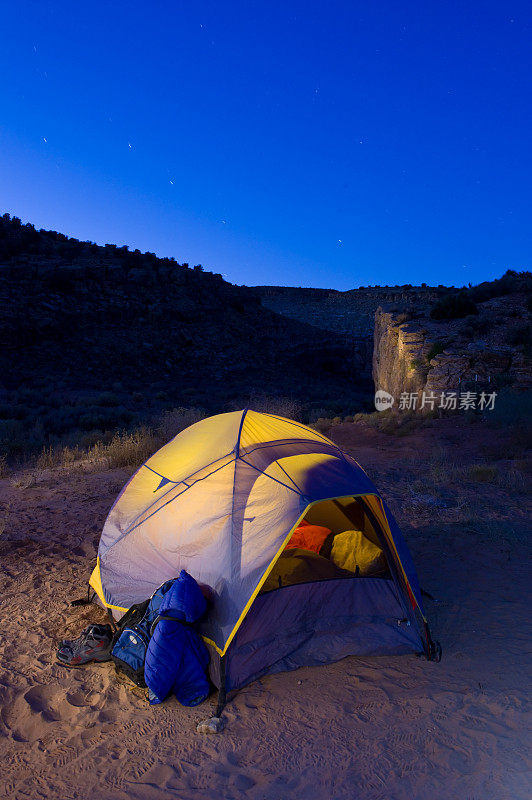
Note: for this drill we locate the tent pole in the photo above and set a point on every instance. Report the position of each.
(221, 691)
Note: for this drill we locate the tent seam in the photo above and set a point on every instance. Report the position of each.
(236, 452)
(175, 483)
(168, 502)
(269, 476)
(288, 476)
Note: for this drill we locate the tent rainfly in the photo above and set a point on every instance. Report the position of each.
(223, 500)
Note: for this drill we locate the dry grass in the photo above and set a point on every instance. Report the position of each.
(483, 473)
(59, 457)
(516, 477)
(271, 404)
(172, 422)
(24, 480)
(391, 421)
(322, 425)
(4, 469)
(125, 449)
(4, 519)
(495, 530)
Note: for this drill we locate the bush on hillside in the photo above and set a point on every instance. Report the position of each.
(271, 404)
(453, 306)
(511, 281)
(520, 335)
(435, 350)
(175, 420)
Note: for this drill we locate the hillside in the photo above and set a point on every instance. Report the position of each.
(96, 338)
(350, 313)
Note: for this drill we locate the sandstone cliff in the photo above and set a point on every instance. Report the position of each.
(488, 351)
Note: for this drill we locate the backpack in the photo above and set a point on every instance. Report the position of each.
(134, 630)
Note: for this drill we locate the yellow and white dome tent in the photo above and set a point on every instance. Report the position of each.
(222, 500)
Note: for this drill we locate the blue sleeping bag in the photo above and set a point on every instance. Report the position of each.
(177, 659)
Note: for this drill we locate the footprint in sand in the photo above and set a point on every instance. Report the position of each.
(107, 715)
(77, 698)
(62, 755)
(239, 779)
(32, 710)
(242, 782)
(27, 712)
(160, 776)
(41, 701)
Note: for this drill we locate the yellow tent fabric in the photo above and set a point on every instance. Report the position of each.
(220, 500)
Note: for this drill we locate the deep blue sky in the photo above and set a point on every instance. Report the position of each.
(302, 143)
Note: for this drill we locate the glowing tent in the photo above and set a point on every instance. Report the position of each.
(222, 500)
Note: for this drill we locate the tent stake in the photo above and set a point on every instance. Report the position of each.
(221, 692)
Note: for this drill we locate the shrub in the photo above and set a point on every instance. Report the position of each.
(453, 306)
(24, 480)
(273, 404)
(404, 317)
(315, 414)
(322, 425)
(14, 439)
(108, 400)
(483, 473)
(435, 350)
(89, 439)
(126, 449)
(511, 408)
(480, 324)
(520, 335)
(516, 478)
(14, 411)
(172, 422)
(511, 281)
(109, 419)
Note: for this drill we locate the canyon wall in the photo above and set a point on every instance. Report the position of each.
(399, 354)
(350, 314)
(483, 353)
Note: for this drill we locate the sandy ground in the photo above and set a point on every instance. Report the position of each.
(387, 728)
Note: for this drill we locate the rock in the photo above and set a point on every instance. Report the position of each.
(211, 725)
(399, 355)
(404, 358)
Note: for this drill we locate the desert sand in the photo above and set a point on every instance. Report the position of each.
(372, 728)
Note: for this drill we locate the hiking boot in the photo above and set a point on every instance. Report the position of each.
(94, 644)
(71, 642)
